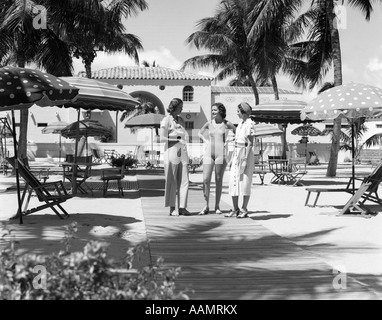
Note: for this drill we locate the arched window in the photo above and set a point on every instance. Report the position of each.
(188, 93)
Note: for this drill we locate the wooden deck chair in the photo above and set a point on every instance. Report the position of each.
(51, 193)
(371, 194)
(355, 201)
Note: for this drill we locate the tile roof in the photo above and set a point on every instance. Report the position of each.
(145, 73)
(262, 90)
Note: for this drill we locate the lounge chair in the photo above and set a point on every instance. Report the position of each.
(355, 202)
(370, 194)
(51, 193)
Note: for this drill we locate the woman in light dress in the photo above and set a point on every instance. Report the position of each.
(174, 135)
(214, 134)
(243, 162)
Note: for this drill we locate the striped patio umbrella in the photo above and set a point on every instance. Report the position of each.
(281, 112)
(94, 94)
(263, 130)
(147, 120)
(266, 130)
(85, 128)
(97, 95)
(55, 127)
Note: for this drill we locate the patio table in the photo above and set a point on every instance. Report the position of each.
(82, 173)
(286, 171)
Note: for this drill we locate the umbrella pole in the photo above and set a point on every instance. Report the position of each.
(87, 145)
(152, 146)
(353, 155)
(262, 153)
(116, 127)
(306, 149)
(74, 171)
(16, 167)
(59, 149)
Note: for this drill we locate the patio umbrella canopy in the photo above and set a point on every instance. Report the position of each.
(280, 112)
(87, 127)
(94, 94)
(21, 88)
(147, 120)
(263, 130)
(304, 131)
(349, 101)
(55, 127)
(97, 95)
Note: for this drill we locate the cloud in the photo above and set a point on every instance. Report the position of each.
(375, 64)
(373, 72)
(162, 57)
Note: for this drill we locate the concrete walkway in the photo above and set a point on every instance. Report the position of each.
(284, 250)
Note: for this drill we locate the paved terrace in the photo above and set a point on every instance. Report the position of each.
(283, 250)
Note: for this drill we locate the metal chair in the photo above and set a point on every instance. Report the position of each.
(113, 174)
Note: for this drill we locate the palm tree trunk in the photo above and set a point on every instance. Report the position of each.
(337, 67)
(275, 88)
(88, 69)
(283, 126)
(254, 88)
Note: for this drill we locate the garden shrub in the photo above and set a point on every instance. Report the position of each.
(86, 275)
(129, 162)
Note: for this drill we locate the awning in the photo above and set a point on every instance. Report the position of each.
(191, 107)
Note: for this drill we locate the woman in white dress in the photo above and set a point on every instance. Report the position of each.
(174, 135)
(243, 162)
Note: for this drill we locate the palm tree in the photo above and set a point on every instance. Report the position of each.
(104, 30)
(346, 138)
(270, 23)
(22, 44)
(68, 19)
(226, 35)
(143, 108)
(147, 64)
(321, 51)
(236, 82)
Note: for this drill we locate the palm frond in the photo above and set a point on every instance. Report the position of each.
(374, 140)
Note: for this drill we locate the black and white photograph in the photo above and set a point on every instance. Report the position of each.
(193, 155)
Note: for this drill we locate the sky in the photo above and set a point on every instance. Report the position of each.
(165, 26)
